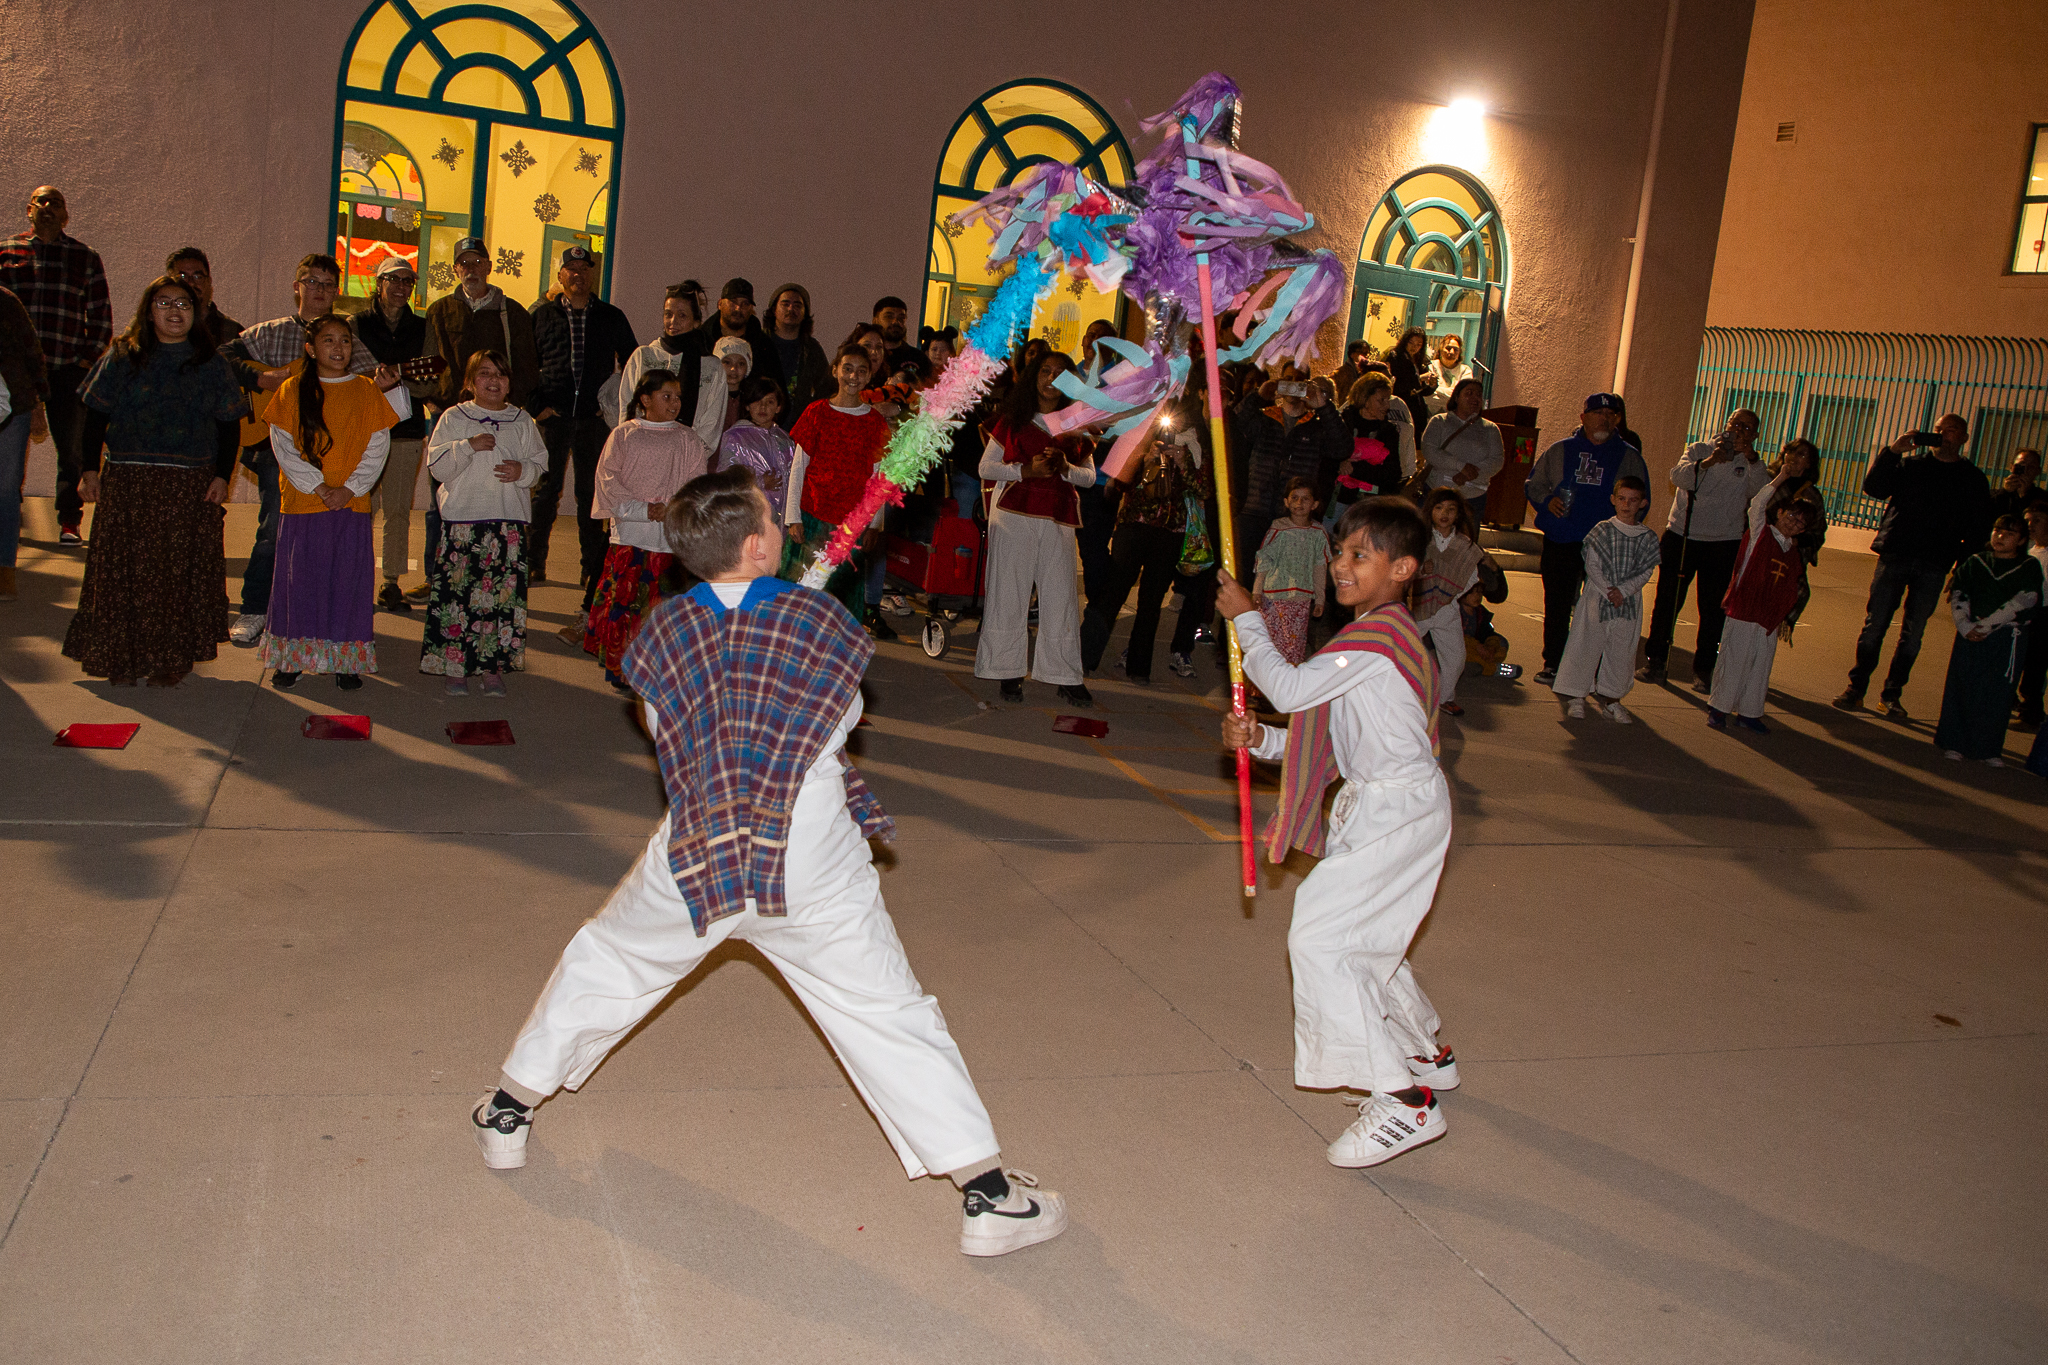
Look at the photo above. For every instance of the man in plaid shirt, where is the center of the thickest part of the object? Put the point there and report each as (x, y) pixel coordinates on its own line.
(752, 686)
(61, 282)
(264, 356)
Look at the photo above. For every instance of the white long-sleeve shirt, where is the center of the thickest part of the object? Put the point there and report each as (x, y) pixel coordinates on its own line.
(1378, 728)
(709, 419)
(995, 469)
(1710, 500)
(470, 488)
(307, 479)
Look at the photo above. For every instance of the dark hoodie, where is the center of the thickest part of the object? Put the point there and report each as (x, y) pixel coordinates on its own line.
(812, 379)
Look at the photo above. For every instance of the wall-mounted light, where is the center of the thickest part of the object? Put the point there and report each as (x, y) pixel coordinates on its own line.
(1456, 134)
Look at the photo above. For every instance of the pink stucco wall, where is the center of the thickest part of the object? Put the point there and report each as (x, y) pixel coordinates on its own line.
(785, 142)
(1893, 210)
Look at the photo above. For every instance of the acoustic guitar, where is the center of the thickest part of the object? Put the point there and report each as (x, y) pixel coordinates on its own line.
(418, 370)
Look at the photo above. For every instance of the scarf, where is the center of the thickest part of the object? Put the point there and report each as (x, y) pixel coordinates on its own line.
(1311, 762)
(1986, 583)
(646, 462)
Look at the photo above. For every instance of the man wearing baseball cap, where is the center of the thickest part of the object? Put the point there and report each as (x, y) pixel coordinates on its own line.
(734, 317)
(1572, 488)
(582, 340)
(396, 334)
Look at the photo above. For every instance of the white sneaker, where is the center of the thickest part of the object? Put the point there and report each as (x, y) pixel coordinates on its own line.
(500, 1133)
(1952, 755)
(1180, 665)
(1438, 1073)
(1030, 1215)
(1994, 762)
(247, 629)
(1618, 713)
(1577, 708)
(1385, 1128)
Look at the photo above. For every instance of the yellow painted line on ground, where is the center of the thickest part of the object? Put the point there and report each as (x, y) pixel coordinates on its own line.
(1165, 797)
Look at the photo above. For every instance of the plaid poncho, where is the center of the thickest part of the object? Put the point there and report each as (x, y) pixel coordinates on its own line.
(746, 699)
(1310, 765)
(1625, 557)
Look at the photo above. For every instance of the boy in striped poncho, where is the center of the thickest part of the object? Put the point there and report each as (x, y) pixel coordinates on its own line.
(752, 686)
(1364, 709)
(1622, 554)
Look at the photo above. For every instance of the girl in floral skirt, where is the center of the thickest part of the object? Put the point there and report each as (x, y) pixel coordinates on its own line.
(485, 454)
(645, 463)
(1291, 570)
(331, 431)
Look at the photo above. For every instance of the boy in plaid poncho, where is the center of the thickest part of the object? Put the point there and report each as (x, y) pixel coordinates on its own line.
(752, 686)
(1364, 709)
(1622, 554)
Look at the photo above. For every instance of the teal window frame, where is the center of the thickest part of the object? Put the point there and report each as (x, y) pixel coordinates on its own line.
(1383, 267)
(421, 29)
(993, 142)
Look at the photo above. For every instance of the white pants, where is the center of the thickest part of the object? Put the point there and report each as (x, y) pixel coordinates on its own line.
(1024, 552)
(1446, 631)
(1743, 674)
(394, 497)
(1358, 1012)
(1600, 656)
(837, 949)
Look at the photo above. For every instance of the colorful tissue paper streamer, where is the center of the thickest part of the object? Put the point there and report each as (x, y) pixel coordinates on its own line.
(922, 441)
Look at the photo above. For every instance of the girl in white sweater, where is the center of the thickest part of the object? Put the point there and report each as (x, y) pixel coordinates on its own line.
(485, 454)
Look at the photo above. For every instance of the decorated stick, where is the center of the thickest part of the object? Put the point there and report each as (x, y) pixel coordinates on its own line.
(1226, 526)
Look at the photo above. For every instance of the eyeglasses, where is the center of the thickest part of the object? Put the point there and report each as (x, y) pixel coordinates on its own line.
(190, 275)
(317, 281)
(170, 305)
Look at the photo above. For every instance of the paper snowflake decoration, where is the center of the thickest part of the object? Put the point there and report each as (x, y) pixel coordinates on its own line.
(518, 158)
(449, 153)
(547, 208)
(355, 159)
(586, 161)
(510, 262)
(441, 275)
(405, 220)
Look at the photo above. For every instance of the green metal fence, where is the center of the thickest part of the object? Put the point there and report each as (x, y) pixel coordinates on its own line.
(1851, 392)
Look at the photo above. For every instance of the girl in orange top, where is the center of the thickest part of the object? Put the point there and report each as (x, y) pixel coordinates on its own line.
(331, 431)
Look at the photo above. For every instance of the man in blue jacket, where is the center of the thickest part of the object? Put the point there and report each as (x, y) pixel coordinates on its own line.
(1571, 487)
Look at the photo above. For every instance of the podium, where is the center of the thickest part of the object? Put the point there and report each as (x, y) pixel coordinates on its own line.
(1506, 500)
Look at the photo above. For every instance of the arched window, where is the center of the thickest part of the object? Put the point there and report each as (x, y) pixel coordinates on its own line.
(1008, 130)
(1434, 256)
(474, 119)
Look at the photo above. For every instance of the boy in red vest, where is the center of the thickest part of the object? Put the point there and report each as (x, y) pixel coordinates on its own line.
(752, 685)
(1769, 570)
(838, 441)
(1364, 709)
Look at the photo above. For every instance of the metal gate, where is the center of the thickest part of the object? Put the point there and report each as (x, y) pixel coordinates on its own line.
(1852, 392)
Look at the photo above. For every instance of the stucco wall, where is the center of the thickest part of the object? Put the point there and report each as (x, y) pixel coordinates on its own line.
(778, 143)
(1893, 211)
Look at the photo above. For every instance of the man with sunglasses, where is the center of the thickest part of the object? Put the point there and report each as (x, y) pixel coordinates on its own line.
(1715, 481)
(266, 354)
(61, 282)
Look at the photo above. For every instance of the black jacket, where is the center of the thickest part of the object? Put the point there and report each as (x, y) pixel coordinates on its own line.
(392, 345)
(1936, 511)
(608, 343)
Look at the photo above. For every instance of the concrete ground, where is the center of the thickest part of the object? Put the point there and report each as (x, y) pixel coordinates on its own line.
(1752, 1033)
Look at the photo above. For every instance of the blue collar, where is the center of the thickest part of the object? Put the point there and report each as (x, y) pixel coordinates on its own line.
(758, 591)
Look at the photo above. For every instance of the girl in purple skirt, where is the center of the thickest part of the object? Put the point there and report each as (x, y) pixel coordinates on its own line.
(331, 431)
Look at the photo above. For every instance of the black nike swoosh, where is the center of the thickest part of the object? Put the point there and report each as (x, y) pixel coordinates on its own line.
(1032, 1214)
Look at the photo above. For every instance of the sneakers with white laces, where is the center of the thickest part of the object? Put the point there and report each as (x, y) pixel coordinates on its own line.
(1029, 1216)
(1385, 1128)
(247, 629)
(1438, 1073)
(1619, 714)
(500, 1133)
